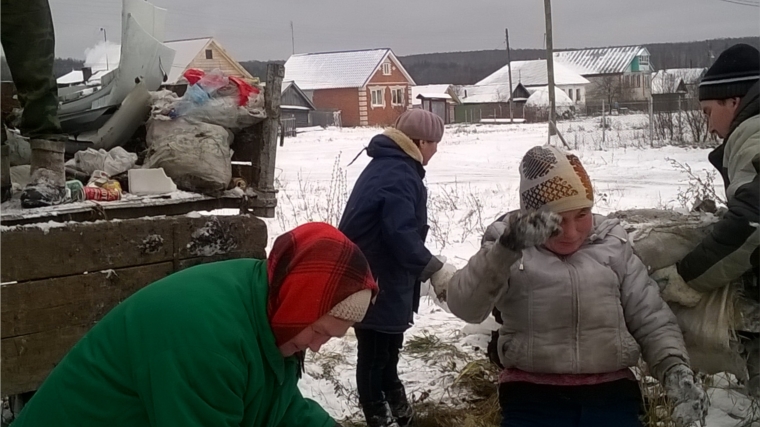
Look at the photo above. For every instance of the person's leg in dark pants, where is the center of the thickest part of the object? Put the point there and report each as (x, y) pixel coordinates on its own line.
(394, 390)
(29, 44)
(26, 31)
(536, 405)
(372, 360)
(618, 403)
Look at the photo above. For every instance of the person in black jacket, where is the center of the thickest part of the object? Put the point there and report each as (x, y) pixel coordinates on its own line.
(386, 216)
(729, 95)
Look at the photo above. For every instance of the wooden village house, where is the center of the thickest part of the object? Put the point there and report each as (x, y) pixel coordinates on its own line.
(619, 75)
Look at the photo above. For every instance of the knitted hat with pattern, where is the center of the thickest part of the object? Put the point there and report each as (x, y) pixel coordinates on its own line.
(553, 180)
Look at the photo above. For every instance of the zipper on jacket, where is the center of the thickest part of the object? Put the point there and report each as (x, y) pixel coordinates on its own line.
(576, 313)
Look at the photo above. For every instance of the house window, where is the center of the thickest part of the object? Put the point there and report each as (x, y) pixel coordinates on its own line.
(397, 96)
(570, 94)
(644, 60)
(577, 95)
(209, 54)
(378, 100)
(386, 68)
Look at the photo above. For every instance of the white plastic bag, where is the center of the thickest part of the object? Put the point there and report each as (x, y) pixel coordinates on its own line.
(195, 155)
(113, 162)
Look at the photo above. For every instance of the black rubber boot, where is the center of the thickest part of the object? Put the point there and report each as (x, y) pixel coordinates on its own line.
(400, 407)
(378, 414)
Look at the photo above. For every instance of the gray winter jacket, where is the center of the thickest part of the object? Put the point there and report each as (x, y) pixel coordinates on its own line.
(590, 312)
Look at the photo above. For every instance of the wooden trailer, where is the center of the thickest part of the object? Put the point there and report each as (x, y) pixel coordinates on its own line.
(62, 269)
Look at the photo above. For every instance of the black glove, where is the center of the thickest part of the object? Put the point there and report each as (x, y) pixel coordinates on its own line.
(524, 230)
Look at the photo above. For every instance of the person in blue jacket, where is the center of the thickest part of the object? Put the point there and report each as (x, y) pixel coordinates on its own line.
(386, 217)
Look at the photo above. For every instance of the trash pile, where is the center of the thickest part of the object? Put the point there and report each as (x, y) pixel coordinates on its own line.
(187, 146)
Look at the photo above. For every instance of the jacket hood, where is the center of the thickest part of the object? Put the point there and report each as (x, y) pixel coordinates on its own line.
(749, 106)
(393, 143)
(604, 226)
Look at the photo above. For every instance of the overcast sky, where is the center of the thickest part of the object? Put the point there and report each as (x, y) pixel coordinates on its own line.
(261, 29)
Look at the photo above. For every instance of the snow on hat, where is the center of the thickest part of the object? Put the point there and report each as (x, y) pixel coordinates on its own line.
(554, 180)
(420, 124)
(732, 74)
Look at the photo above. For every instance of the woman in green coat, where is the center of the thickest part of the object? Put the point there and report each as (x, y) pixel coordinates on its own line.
(219, 344)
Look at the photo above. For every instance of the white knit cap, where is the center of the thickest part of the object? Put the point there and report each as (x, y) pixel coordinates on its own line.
(354, 307)
(554, 180)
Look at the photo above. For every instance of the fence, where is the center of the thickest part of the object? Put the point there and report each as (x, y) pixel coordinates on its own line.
(326, 118)
(288, 126)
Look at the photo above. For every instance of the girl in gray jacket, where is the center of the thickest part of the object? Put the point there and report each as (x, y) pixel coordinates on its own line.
(578, 308)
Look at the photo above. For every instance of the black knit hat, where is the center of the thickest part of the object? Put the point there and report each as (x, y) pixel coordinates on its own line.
(732, 74)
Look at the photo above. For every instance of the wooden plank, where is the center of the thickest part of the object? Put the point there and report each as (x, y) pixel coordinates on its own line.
(41, 305)
(93, 211)
(30, 253)
(220, 235)
(43, 319)
(27, 360)
(182, 264)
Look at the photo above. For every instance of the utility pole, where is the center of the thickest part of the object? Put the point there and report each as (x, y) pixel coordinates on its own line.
(550, 67)
(509, 64)
(105, 41)
(292, 38)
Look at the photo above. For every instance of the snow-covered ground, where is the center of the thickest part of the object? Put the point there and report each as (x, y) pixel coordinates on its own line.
(472, 179)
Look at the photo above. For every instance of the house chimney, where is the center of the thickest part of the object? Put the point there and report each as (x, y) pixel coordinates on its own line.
(86, 73)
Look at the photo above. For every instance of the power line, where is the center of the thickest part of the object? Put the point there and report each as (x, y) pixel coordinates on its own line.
(749, 3)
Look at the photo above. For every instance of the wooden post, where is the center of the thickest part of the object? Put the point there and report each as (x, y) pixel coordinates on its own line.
(604, 123)
(651, 122)
(509, 64)
(550, 65)
(270, 127)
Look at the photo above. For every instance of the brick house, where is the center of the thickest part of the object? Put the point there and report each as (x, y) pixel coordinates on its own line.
(368, 87)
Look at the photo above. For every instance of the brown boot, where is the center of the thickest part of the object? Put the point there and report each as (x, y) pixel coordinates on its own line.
(47, 186)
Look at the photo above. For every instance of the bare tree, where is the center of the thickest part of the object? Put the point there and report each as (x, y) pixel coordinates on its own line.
(608, 88)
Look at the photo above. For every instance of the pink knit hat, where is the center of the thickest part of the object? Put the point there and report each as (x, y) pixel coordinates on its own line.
(420, 124)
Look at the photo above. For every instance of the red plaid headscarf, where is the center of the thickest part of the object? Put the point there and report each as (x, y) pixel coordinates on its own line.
(311, 269)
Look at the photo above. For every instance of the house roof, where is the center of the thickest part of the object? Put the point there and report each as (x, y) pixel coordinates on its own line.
(429, 91)
(485, 94)
(668, 81)
(76, 77)
(334, 70)
(186, 50)
(540, 98)
(534, 73)
(445, 96)
(288, 84)
(607, 60)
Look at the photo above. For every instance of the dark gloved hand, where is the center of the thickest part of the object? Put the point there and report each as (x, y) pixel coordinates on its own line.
(524, 230)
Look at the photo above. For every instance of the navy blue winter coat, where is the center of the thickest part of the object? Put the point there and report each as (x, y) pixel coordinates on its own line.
(386, 216)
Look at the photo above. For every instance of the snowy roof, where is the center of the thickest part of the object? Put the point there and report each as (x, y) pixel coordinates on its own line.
(540, 98)
(289, 83)
(533, 73)
(429, 91)
(186, 50)
(667, 81)
(607, 60)
(76, 77)
(485, 94)
(433, 96)
(333, 70)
